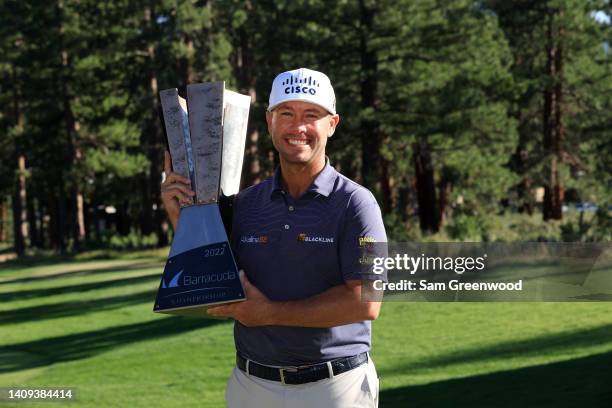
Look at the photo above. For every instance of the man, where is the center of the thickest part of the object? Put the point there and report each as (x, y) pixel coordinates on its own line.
(304, 332)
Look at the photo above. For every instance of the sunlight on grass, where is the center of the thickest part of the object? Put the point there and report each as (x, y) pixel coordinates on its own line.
(89, 324)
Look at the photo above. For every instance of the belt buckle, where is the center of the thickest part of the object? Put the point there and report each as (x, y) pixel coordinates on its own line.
(282, 373)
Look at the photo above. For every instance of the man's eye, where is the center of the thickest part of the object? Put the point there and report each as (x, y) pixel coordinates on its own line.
(286, 114)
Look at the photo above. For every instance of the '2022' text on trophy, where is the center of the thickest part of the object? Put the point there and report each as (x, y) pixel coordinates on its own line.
(206, 135)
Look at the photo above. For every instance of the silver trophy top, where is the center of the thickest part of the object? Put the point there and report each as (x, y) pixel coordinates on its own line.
(206, 136)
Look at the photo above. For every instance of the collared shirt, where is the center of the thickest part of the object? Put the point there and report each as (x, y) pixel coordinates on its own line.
(294, 248)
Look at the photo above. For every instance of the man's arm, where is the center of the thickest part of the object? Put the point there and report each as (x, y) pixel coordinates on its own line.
(337, 306)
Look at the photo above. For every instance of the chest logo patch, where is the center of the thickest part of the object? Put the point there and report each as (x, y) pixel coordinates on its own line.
(303, 237)
(366, 241)
(254, 239)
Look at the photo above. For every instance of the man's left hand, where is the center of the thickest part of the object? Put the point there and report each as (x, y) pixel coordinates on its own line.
(256, 310)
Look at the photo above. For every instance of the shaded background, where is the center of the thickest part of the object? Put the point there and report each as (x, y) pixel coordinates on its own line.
(469, 120)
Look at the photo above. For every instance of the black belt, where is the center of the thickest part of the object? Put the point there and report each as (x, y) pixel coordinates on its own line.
(300, 375)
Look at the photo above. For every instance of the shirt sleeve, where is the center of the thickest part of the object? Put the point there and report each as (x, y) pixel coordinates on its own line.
(363, 238)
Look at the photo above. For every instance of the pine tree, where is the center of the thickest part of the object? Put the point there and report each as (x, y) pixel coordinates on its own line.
(562, 71)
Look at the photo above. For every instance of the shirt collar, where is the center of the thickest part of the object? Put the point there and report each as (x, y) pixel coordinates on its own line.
(323, 184)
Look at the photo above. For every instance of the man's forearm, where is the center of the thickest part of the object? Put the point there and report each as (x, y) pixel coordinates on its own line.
(336, 306)
(173, 218)
(174, 222)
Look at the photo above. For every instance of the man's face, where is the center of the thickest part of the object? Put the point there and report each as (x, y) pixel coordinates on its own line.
(300, 130)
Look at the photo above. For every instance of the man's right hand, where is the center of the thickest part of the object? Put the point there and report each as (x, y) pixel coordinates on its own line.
(175, 190)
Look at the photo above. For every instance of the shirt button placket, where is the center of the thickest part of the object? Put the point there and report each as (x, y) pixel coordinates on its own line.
(290, 208)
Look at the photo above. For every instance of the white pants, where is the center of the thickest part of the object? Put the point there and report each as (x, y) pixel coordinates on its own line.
(357, 388)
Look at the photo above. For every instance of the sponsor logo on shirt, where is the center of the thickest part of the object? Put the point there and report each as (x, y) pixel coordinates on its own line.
(254, 239)
(302, 237)
(366, 241)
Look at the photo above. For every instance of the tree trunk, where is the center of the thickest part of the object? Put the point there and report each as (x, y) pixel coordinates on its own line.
(244, 72)
(558, 147)
(72, 127)
(375, 168)
(95, 221)
(405, 198)
(80, 205)
(520, 165)
(525, 196)
(42, 222)
(371, 172)
(152, 217)
(19, 202)
(387, 184)
(52, 227)
(3, 220)
(189, 74)
(34, 227)
(57, 220)
(61, 220)
(77, 220)
(553, 119)
(425, 186)
(20, 214)
(122, 218)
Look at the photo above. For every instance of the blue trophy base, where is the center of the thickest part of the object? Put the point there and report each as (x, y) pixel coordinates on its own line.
(200, 271)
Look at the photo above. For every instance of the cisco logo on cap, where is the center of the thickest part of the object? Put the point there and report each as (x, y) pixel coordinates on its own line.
(305, 85)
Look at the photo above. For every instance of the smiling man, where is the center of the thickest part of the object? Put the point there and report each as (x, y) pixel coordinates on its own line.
(303, 335)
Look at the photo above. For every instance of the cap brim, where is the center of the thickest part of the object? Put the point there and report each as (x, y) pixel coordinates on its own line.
(271, 108)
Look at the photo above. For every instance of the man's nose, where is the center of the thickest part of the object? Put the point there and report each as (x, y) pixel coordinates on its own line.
(299, 125)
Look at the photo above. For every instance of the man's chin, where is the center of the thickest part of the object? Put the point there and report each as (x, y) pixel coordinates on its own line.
(297, 159)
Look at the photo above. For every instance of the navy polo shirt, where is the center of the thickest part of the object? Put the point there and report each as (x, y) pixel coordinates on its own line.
(293, 249)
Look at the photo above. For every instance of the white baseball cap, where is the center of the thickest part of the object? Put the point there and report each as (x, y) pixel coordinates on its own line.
(305, 85)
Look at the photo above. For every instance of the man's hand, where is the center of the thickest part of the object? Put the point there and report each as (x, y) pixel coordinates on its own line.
(175, 190)
(256, 310)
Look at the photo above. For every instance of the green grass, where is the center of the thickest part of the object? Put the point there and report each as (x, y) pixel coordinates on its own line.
(87, 323)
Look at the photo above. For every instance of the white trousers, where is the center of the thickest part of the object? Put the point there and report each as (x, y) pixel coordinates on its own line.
(357, 388)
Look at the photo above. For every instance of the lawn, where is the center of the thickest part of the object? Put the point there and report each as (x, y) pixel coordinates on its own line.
(87, 323)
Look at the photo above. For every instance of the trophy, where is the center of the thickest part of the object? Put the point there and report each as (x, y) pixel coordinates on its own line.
(206, 136)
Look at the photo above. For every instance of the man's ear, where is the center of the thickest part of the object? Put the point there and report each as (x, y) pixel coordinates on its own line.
(335, 119)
